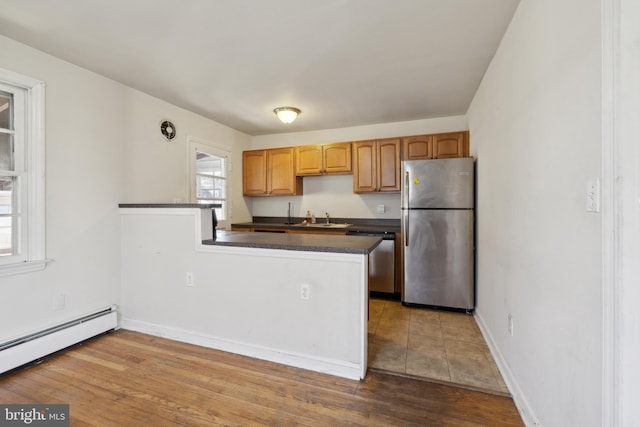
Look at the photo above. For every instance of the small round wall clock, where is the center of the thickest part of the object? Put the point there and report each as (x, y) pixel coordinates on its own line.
(168, 130)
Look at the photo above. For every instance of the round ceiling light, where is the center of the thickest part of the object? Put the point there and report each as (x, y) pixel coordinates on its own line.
(287, 114)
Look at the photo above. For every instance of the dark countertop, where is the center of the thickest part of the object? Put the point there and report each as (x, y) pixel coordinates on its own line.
(170, 205)
(356, 224)
(296, 242)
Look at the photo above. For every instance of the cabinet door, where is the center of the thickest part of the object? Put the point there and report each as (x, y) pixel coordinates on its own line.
(337, 158)
(447, 145)
(365, 164)
(389, 164)
(254, 173)
(417, 147)
(281, 177)
(309, 160)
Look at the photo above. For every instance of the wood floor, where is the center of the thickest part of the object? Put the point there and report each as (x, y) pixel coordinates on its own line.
(130, 379)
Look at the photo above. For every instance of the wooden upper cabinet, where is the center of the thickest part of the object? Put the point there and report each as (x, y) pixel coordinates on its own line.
(437, 146)
(323, 159)
(365, 168)
(389, 164)
(376, 166)
(270, 173)
(254, 173)
(417, 147)
(453, 144)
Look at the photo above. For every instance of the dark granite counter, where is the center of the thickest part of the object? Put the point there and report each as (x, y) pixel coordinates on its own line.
(296, 242)
(170, 205)
(355, 224)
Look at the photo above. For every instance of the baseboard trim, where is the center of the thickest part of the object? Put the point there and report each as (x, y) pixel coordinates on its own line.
(519, 399)
(317, 364)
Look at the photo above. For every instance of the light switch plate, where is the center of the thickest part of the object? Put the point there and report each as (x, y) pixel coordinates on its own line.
(381, 208)
(593, 195)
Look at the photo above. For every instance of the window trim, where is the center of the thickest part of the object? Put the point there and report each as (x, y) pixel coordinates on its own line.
(218, 150)
(33, 258)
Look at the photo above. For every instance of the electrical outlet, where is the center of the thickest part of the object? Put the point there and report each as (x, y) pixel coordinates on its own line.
(305, 291)
(510, 324)
(190, 280)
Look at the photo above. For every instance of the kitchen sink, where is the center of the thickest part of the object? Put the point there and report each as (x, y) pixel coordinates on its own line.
(322, 225)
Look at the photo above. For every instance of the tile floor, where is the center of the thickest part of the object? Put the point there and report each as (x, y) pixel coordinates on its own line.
(433, 344)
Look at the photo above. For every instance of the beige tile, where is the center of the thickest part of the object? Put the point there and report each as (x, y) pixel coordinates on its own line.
(473, 372)
(434, 344)
(466, 334)
(396, 331)
(469, 364)
(457, 320)
(502, 386)
(387, 354)
(426, 357)
(375, 308)
(465, 349)
(393, 310)
(424, 325)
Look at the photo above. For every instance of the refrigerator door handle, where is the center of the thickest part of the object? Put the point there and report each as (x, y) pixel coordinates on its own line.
(405, 203)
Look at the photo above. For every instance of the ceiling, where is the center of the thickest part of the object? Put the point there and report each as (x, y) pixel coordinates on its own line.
(342, 62)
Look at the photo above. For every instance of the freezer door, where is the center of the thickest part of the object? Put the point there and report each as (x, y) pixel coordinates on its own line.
(438, 183)
(438, 258)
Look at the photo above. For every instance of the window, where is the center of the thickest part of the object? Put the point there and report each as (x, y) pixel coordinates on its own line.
(210, 178)
(21, 174)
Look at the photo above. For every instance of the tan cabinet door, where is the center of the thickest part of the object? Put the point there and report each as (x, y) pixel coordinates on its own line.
(323, 159)
(389, 165)
(309, 160)
(437, 146)
(270, 173)
(254, 173)
(365, 175)
(376, 166)
(337, 158)
(417, 147)
(447, 145)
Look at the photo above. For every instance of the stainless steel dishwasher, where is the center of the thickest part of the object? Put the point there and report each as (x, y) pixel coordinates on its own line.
(381, 261)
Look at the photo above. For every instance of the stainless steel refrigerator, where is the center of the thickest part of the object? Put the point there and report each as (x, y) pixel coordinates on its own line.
(437, 232)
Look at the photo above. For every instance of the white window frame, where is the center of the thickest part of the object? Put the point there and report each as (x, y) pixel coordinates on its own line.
(31, 175)
(199, 145)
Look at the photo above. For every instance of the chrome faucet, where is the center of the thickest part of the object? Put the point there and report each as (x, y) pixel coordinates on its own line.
(328, 219)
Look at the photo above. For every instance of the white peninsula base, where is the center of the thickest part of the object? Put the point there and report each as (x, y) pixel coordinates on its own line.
(239, 299)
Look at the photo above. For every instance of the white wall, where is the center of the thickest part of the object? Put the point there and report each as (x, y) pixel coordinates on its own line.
(536, 126)
(94, 126)
(157, 170)
(334, 194)
(244, 300)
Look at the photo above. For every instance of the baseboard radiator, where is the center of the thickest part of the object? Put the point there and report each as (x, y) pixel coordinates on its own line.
(31, 347)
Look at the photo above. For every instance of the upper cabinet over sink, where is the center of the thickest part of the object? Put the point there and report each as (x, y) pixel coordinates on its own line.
(270, 173)
(323, 159)
(437, 146)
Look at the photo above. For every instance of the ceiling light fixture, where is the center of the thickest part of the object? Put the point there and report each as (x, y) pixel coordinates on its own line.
(287, 114)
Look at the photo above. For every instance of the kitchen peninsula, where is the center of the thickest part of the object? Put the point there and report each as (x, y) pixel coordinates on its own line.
(299, 300)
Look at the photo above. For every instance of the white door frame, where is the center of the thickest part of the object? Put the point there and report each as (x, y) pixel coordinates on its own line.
(621, 211)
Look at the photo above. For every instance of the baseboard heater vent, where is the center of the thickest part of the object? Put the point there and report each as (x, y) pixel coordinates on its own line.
(28, 348)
